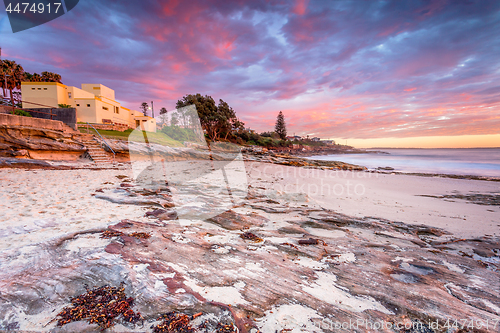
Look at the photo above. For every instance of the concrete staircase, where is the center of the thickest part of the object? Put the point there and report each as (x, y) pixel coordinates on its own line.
(95, 151)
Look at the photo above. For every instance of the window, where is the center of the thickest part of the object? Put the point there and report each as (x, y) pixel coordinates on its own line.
(39, 88)
(88, 105)
(78, 105)
(69, 95)
(117, 109)
(32, 88)
(44, 88)
(105, 108)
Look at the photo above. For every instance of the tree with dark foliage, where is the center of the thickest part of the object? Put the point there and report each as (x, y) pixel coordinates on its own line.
(216, 120)
(144, 108)
(280, 127)
(50, 77)
(12, 74)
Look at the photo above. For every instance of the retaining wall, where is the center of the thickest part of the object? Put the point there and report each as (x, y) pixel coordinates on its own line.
(66, 115)
(13, 120)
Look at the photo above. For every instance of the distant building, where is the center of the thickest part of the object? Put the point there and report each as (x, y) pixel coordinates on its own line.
(294, 138)
(315, 139)
(328, 142)
(94, 103)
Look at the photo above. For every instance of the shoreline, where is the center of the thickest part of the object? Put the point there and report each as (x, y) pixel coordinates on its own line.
(299, 161)
(268, 157)
(432, 201)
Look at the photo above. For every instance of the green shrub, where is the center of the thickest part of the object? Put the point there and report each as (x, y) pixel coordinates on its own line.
(19, 112)
(265, 142)
(179, 134)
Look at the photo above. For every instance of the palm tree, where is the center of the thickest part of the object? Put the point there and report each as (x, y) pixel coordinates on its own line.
(4, 73)
(35, 77)
(2, 78)
(15, 75)
(51, 77)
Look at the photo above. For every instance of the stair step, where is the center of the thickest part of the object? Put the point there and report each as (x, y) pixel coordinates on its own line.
(96, 152)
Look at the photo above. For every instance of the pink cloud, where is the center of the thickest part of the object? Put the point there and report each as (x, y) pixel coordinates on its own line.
(411, 69)
(300, 7)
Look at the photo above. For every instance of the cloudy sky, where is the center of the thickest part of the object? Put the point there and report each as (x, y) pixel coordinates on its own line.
(348, 70)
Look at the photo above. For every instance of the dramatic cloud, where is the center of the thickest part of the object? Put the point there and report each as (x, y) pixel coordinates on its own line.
(359, 69)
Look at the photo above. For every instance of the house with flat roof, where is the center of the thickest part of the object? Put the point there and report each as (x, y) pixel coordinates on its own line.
(94, 103)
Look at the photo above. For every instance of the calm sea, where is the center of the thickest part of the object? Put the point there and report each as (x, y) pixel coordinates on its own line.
(472, 161)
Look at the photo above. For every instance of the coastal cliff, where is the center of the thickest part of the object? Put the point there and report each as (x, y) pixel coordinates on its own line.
(25, 137)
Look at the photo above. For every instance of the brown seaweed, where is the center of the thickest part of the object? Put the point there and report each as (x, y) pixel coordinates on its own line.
(251, 236)
(100, 306)
(174, 322)
(113, 233)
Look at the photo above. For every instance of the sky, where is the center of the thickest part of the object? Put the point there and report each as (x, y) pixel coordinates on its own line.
(384, 74)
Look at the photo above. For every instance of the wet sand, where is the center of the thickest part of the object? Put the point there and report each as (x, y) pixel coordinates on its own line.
(406, 198)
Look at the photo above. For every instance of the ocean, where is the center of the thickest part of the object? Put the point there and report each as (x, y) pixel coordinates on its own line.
(460, 161)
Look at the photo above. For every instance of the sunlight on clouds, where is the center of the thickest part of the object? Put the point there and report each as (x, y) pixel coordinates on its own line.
(462, 141)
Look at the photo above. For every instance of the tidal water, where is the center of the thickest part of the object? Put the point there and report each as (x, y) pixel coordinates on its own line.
(461, 161)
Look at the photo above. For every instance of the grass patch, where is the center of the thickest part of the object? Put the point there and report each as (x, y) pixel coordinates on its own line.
(137, 136)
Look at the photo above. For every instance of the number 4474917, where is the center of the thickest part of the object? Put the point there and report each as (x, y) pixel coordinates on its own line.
(35, 8)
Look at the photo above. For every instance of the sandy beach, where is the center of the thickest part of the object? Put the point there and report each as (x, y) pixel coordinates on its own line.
(405, 198)
(331, 247)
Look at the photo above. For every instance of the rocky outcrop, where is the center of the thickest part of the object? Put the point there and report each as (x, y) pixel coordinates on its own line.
(286, 159)
(24, 163)
(307, 269)
(139, 150)
(40, 143)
